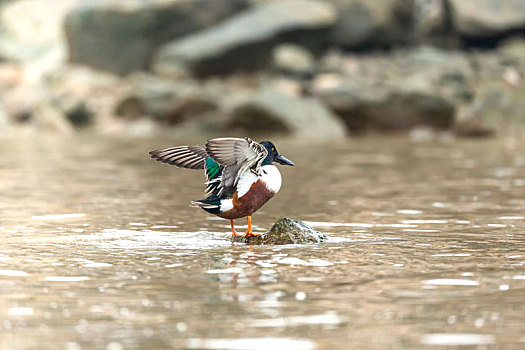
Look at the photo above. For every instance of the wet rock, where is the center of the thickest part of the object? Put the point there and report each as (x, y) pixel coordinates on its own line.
(246, 40)
(121, 36)
(269, 111)
(487, 18)
(293, 59)
(372, 23)
(286, 231)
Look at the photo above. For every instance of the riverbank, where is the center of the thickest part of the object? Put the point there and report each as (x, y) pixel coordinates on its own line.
(309, 69)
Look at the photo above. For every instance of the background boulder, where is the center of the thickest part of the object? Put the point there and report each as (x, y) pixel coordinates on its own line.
(487, 18)
(246, 40)
(121, 36)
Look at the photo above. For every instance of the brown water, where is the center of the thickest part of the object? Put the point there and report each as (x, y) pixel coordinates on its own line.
(426, 250)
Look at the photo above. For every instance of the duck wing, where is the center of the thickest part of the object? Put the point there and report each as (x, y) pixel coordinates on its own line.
(237, 155)
(190, 157)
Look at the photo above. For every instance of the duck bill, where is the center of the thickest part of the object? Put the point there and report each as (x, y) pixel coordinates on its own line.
(282, 160)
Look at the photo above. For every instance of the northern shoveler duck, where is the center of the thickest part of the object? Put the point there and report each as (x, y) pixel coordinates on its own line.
(240, 175)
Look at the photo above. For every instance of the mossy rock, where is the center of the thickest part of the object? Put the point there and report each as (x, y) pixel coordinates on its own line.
(286, 231)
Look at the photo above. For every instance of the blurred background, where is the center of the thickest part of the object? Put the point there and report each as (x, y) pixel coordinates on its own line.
(405, 119)
(318, 69)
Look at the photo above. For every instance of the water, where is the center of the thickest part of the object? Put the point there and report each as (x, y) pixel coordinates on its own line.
(101, 251)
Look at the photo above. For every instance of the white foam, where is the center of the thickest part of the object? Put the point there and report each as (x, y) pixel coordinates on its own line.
(424, 221)
(326, 319)
(297, 261)
(338, 224)
(250, 343)
(227, 270)
(97, 264)
(66, 278)
(20, 311)
(450, 282)
(58, 216)
(457, 339)
(13, 273)
(409, 211)
(452, 254)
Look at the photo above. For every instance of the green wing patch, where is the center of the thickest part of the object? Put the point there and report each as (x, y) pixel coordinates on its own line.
(213, 170)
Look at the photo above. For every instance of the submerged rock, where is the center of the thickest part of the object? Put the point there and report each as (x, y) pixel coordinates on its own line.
(286, 231)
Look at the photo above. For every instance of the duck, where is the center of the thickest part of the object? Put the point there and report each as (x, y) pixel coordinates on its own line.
(240, 175)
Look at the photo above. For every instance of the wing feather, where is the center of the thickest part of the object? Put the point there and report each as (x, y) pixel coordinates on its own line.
(237, 155)
(191, 157)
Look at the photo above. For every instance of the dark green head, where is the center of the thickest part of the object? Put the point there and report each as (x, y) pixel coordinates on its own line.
(274, 155)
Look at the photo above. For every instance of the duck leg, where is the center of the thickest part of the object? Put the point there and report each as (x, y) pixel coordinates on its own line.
(233, 228)
(249, 232)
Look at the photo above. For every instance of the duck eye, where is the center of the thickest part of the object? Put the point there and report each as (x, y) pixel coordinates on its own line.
(273, 149)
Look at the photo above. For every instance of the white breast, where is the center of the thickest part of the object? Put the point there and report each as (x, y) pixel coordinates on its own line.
(270, 176)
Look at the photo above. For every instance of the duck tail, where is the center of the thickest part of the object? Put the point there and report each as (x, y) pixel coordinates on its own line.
(204, 205)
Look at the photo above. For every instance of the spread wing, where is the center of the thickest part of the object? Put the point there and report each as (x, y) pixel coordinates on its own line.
(237, 156)
(191, 157)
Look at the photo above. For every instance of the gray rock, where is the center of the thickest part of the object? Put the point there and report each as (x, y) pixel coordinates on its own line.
(75, 110)
(286, 231)
(269, 111)
(398, 91)
(246, 40)
(164, 100)
(388, 109)
(487, 18)
(372, 23)
(121, 36)
(433, 23)
(293, 59)
(514, 49)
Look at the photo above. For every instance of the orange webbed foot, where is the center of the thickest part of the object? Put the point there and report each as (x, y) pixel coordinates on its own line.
(234, 233)
(249, 232)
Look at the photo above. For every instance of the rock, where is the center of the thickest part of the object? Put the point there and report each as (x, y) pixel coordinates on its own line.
(487, 18)
(246, 40)
(514, 49)
(269, 111)
(164, 100)
(387, 109)
(286, 231)
(75, 109)
(121, 36)
(398, 91)
(372, 23)
(433, 23)
(293, 59)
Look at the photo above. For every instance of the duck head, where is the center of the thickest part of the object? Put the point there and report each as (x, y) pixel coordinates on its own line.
(274, 155)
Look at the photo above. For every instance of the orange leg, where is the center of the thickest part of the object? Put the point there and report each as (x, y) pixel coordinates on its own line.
(233, 228)
(249, 232)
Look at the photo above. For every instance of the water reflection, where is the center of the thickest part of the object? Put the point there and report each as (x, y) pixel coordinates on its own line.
(425, 249)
